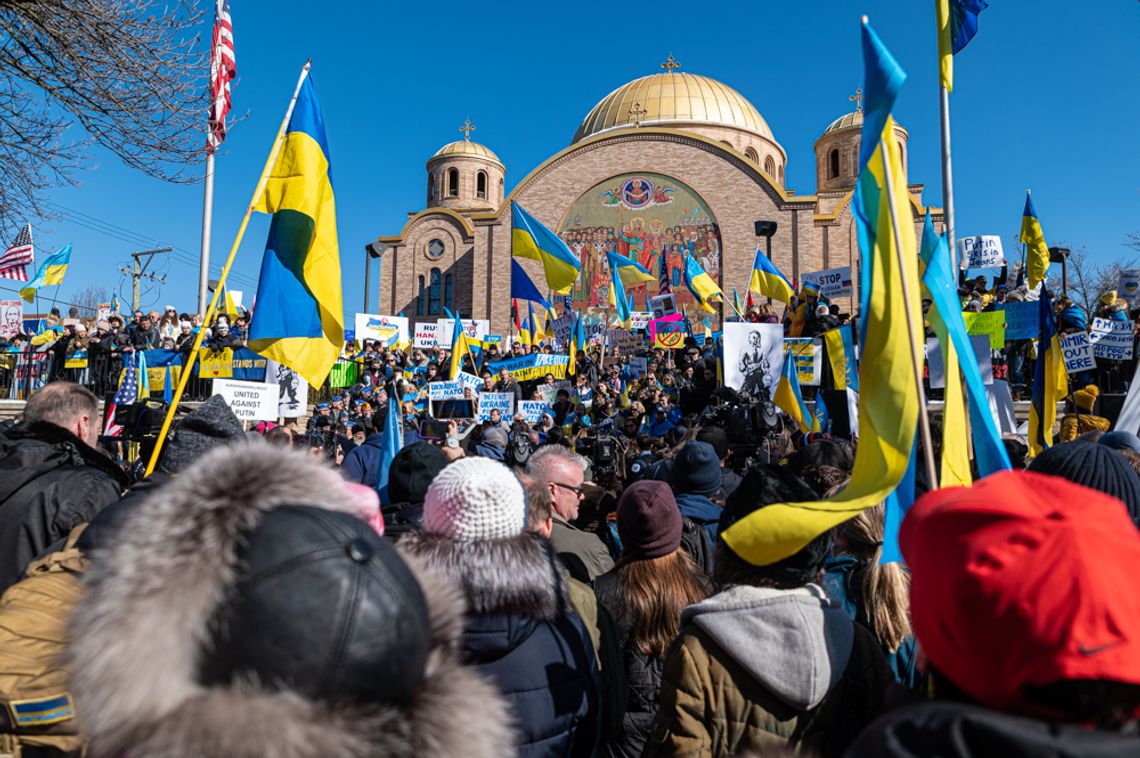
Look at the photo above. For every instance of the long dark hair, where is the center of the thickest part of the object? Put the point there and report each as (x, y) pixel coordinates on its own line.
(653, 592)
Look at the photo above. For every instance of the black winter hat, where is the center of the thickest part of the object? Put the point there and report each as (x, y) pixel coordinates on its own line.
(412, 470)
(211, 423)
(324, 607)
(696, 469)
(1095, 466)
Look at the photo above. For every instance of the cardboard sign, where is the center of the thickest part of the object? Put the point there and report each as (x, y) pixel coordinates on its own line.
(982, 251)
(11, 317)
(532, 410)
(504, 402)
(991, 324)
(1077, 352)
(663, 305)
(808, 357)
(624, 340)
(1128, 286)
(1022, 321)
(370, 326)
(833, 282)
(1111, 340)
(250, 401)
(425, 335)
(563, 325)
(445, 390)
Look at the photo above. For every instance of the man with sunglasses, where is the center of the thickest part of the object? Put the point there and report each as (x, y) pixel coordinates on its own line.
(563, 472)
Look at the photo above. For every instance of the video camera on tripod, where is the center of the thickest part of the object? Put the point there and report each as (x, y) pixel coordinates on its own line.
(752, 426)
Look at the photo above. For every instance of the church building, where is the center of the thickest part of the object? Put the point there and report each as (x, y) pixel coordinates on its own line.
(668, 164)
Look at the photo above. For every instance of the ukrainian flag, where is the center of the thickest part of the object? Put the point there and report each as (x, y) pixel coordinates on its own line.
(51, 272)
(767, 281)
(299, 320)
(632, 273)
(459, 348)
(623, 270)
(577, 344)
(537, 333)
(530, 239)
(790, 400)
(957, 25)
(1037, 252)
(704, 289)
(1050, 382)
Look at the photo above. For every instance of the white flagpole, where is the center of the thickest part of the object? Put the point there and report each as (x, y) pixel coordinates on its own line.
(207, 220)
(947, 178)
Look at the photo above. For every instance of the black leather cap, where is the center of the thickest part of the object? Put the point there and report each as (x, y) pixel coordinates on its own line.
(321, 606)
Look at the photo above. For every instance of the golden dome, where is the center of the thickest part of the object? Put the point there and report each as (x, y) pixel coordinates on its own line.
(466, 148)
(854, 118)
(666, 98)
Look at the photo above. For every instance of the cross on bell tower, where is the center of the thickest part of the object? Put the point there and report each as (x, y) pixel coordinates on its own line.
(671, 63)
(857, 98)
(467, 128)
(636, 113)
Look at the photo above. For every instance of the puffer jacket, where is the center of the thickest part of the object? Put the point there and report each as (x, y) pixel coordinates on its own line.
(767, 669)
(50, 483)
(522, 634)
(1074, 425)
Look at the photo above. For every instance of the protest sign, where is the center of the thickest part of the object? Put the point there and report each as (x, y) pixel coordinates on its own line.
(370, 326)
(563, 326)
(663, 305)
(103, 311)
(1001, 406)
(808, 357)
(472, 327)
(753, 357)
(833, 282)
(548, 393)
(639, 320)
(469, 380)
(11, 317)
(250, 401)
(1128, 286)
(937, 365)
(425, 335)
(445, 390)
(492, 339)
(292, 390)
(231, 363)
(624, 340)
(533, 366)
(532, 410)
(1021, 321)
(991, 323)
(655, 323)
(669, 335)
(1077, 352)
(1111, 340)
(503, 401)
(982, 251)
(638, 366)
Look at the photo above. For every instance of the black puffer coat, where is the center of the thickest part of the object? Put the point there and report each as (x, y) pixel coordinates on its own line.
(50, 482)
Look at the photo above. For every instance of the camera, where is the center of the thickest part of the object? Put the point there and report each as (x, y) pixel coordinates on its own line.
(753, 427)
(604, 453)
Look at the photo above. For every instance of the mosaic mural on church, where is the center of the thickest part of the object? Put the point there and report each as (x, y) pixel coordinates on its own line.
(653, 219)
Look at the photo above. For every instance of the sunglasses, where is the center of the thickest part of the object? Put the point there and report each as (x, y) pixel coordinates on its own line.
(579, 491)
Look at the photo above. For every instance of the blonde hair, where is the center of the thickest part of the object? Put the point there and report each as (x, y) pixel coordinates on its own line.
(884, 589)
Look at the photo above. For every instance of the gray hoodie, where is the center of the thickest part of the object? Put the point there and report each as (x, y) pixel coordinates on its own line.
(795, 643)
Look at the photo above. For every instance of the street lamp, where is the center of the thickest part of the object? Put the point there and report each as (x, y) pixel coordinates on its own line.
(1061, 255)
(371, 250)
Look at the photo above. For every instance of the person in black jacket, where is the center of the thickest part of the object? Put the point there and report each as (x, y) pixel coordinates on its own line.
(51, 476)
(653, 581)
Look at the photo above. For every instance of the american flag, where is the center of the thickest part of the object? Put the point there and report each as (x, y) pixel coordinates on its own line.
(16, 259)
(663, 285)
(128, 394)
(223, 69)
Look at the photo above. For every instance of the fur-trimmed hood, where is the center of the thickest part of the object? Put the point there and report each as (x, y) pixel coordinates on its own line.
(138, 633)
(519, 575)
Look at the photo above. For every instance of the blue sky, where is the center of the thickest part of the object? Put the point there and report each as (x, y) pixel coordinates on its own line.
(1045, 98)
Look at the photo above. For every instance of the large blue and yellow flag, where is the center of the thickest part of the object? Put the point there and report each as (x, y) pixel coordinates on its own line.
(957, 25)
(522, 288)
(790, 400)
(300, 320)
(51, 272)
(1050, 382)
(623, 271)
(704, 289)
(1036, 251)
(888, 398)
(530, 239)
(767, 281)
(459, 348)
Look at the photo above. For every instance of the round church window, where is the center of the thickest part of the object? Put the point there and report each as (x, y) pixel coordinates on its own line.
(435, 250)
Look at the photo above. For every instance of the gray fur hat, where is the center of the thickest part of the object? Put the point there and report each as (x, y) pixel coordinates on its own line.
(207, 426)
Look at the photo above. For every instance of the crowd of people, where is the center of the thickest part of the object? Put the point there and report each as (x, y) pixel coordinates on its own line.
(561, 587)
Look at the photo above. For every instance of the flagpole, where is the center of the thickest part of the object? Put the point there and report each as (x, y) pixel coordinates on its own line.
(947, 177)
(923, 416)
(187, 369)
(207, 221)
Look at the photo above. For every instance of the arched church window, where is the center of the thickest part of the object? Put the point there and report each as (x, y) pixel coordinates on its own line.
(781, 175)
(431, 187)
(750, 154)
(481, 185)
(833, 164)
(855, 159)
(448, 295)
(434, 292)
(420, 302)
(770, 166)
(453, 182)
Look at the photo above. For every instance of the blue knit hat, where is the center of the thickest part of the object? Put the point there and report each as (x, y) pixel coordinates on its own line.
(696, 470)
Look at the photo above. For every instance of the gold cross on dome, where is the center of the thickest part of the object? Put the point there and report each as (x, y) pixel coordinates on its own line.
(671, 63)
(857, 98)
(467, 128)
(636, 113)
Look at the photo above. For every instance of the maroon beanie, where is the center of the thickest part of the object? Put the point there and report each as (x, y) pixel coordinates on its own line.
(648, 520)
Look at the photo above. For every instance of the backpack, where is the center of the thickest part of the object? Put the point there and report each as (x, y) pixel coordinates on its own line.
(36, 710)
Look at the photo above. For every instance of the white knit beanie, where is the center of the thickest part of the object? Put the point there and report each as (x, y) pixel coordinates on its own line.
(475, 499)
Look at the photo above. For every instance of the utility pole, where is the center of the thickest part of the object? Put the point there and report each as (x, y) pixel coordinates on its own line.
(138, 271)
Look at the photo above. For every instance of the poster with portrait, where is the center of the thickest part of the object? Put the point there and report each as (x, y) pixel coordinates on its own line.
(292, 390)
(650, 218)
(11, 318)
(753, 358)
